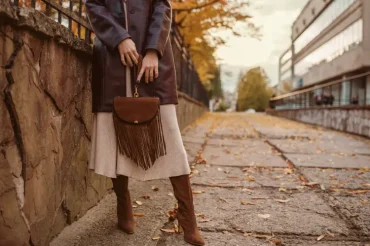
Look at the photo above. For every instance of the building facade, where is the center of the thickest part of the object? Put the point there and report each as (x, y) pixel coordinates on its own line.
(330, 46)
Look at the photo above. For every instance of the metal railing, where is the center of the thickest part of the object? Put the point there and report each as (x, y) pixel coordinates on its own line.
(72, 14)
(354, 90)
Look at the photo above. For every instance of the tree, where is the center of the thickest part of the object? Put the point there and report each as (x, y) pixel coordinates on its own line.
(253, 90)
(198, 20)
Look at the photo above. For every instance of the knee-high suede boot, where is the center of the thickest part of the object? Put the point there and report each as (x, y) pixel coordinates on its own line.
(185, 215)
(126, 221)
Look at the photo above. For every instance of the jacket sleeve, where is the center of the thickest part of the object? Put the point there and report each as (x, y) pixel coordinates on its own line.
(159, 26)
(105, 26)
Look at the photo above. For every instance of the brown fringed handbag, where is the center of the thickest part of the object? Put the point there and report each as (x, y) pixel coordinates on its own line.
(138, 126)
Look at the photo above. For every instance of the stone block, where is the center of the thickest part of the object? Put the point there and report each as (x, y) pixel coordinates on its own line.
(329, 160)
(236, 156)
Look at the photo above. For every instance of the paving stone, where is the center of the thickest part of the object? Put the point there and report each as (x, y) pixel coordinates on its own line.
(192, 150)
(329, 160)
(338, 178)
(233, 133)
(282, 133)
(249, 145)
(297, 214)
(190, 139)
(321, 243)
(356, 208)
(244, 177)
(218, 239)
(99, 226)
(236, 156)
(321, 146)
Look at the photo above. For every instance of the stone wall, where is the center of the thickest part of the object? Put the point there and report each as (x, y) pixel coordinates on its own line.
(45, 111)
(351, 119)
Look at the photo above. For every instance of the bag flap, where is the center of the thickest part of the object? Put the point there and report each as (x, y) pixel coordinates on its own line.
(136, 109)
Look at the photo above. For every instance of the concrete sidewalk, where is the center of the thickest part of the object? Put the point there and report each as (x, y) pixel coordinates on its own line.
(257, 180)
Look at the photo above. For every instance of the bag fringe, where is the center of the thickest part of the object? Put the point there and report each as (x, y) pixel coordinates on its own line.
(143, 143)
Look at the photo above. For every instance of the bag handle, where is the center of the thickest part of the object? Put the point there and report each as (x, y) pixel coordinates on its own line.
(136, 73)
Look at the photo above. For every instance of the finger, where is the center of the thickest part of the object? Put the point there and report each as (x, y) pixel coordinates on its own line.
(140, 74)
(156, 72)
(133, 57)
(123, 60)
(137, 55)
(151, 74)
(128, 59)
(147, 75)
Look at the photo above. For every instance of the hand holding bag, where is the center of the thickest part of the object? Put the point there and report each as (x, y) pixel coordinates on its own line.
(138, 126)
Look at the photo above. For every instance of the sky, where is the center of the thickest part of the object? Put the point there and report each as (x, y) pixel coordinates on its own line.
(275, 18)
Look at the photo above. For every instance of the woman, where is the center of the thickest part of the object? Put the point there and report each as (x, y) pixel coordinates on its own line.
(126, 29)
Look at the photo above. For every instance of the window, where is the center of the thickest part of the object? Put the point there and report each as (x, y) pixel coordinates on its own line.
(335, 9)
(348, 39)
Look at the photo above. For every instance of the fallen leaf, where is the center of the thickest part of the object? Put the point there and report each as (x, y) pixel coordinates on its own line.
(138, 215)
(282, 201)
(172, 230)
(276, 241)
(249, 190)
(233, 177)
(170, 194)
(134, 206)
(288, 171)
(264, 216)
(156, 238)
(311, 184)
(198, 191)
(283, 189)
(139, 203)
(222, 199)
(321, 237)
(219, 169)
(155, 188)
(145, 197)
(247, 203)
(259, 198)
(195, 171)
(251, 178)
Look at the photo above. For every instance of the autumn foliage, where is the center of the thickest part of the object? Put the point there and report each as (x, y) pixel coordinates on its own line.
(200, 20)
(253, 91)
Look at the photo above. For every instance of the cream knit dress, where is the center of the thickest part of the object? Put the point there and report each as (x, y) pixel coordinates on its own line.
(106, 160)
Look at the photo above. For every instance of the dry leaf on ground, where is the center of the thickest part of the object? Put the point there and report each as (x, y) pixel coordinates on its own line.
(138, 214)
(170, 194)
(247, 203)
(282, 201)
(146, 197)
(321, 237)
(198, 191)
(172, 230)
(156, 238)
(155, 188)
(264, 216)
(139, 203)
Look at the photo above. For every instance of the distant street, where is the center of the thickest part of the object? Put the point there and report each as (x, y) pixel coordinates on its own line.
(257, 180)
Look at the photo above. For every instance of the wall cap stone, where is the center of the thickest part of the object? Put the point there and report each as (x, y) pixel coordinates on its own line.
(31, 19)
(348, 107)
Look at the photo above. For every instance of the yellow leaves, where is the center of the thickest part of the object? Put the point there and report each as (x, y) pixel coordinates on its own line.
(139, 203)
